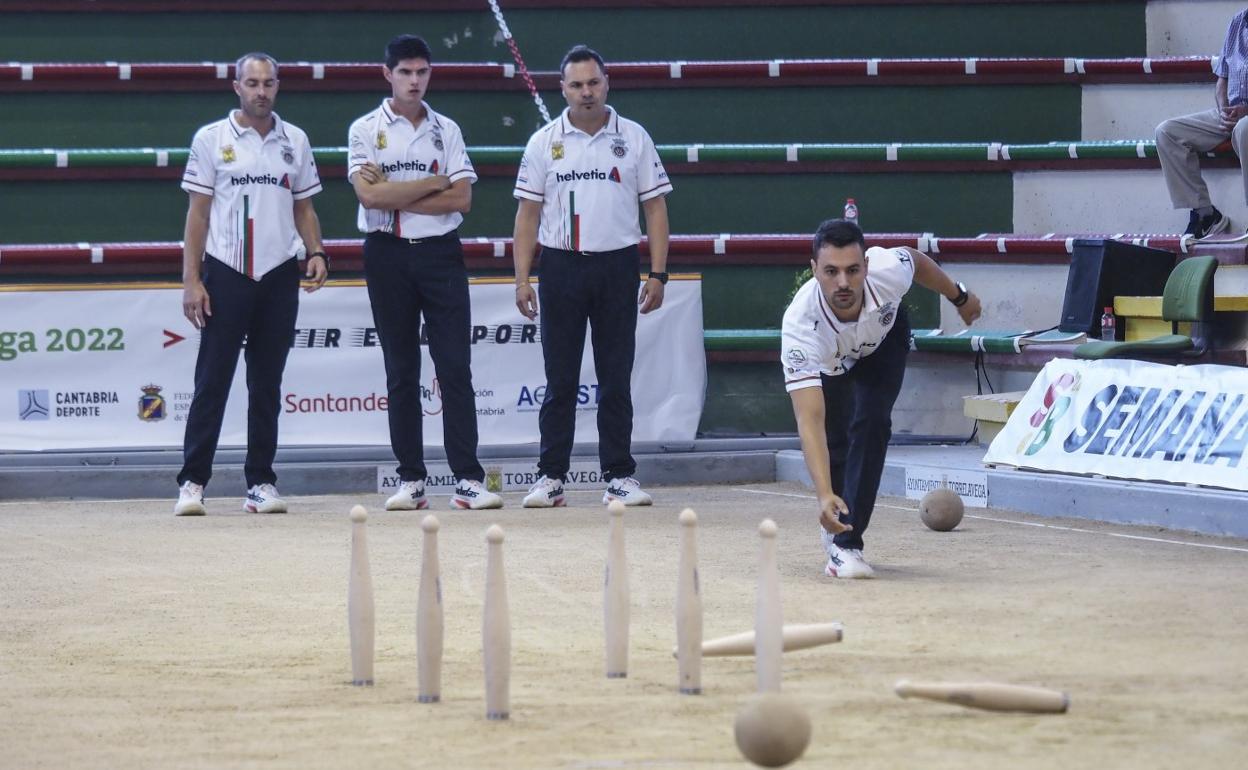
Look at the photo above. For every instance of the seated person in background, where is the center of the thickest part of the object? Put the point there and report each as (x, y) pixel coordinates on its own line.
(1180, 139)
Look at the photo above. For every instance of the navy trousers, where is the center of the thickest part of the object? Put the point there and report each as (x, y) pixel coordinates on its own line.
(599, 290)
(406, 280)
(262, 315)
(859, 419)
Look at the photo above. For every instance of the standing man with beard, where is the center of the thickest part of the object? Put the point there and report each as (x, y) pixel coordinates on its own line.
(414, 180)
(580, 183)
(844, 342)
(251, 178)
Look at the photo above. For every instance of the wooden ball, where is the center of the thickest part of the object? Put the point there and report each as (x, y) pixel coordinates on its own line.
(941, 509)
(772, 730)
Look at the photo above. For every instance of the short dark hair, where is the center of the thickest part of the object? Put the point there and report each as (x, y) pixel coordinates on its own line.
(580, 53)
(407, 47)
(253, 56)
(839, 233)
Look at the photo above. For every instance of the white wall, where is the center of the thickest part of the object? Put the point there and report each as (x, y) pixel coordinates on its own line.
(1133, 111)
(1013, 296)
(1114, 201)
(1188, 27)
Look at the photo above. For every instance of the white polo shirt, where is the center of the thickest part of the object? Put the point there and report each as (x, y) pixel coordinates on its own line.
(589, 186)
(814, 341)
(254, 183)
(408, 153)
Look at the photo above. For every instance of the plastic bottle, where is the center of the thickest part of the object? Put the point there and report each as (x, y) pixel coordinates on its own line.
(851, 211)
(1109, 325)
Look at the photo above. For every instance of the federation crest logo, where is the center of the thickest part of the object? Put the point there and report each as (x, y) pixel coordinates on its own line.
(796, 357)
(288, 155)
(494, 479)
(227, 154)
(556, 151)
(381, 140)
(151, 404)
(619, 147)
(887, 313)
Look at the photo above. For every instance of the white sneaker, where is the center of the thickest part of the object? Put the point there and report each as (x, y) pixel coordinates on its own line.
(627, 490)
(263, 498)
(409, 497)
(470, 493)
(845, 562)
(546, 493)
(190, 500)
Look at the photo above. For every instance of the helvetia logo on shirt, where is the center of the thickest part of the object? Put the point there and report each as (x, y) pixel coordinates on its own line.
(592, 174)
(408, 165)
(246, 179)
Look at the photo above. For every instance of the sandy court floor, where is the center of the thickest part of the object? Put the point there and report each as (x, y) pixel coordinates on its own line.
(131, 638)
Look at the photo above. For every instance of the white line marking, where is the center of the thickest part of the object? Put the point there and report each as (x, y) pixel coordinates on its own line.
(765, 492)
(1025, 523)
(46, 501)
(1113, 534)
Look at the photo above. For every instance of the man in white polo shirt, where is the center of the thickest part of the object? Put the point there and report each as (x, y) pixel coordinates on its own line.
(413, 179)
(251, 178)
(579, 185)
(843, 348)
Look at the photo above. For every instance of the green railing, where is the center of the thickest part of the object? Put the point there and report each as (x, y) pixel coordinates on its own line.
(987, 153)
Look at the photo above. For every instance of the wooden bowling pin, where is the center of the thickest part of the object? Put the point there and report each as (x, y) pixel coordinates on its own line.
(768, 631)
(990, 696)
(615, 600)
(689, 608)
(496, 630)
(797, 636)
(361, 615)
(429, 622)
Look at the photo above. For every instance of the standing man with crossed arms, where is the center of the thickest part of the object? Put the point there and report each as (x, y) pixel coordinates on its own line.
(251, 178)
(844, 342)
(413, 179)
(579, 185)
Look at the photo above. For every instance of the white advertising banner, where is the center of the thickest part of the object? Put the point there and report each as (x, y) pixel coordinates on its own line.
(98, 367)
(1132, 420)
(971, 486)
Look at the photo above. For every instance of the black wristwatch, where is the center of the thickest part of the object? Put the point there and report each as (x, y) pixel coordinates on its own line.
(660, 277)
(322, 255)
(963, 295)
